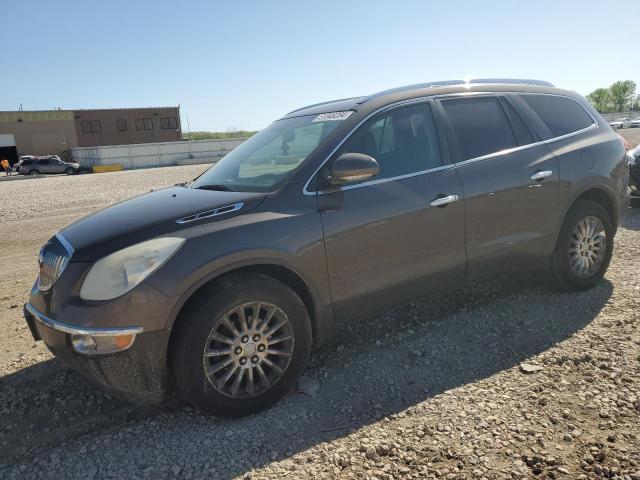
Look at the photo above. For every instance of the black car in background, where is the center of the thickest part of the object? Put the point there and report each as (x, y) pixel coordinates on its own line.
(335, 212)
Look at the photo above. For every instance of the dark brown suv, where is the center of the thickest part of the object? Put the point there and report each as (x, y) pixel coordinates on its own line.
(334, 212)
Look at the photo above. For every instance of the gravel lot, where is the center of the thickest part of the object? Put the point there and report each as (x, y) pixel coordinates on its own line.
(507, 379)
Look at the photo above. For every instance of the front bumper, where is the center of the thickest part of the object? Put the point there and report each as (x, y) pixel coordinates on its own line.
(136, 374)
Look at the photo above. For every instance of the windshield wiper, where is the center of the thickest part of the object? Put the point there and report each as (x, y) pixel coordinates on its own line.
(219, 188)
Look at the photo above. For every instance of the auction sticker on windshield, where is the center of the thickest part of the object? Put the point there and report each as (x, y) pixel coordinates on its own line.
(324, 117)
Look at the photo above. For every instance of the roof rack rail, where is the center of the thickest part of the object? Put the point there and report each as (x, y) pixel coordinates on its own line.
(451, 83)
(515, 81)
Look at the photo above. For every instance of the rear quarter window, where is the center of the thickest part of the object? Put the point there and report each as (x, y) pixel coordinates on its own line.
(562, 115)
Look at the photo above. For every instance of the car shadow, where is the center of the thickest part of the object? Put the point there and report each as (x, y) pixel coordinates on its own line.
(374, 369)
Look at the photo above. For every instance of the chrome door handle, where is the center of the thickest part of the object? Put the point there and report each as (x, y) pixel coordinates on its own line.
(442, 201)
(538, 176)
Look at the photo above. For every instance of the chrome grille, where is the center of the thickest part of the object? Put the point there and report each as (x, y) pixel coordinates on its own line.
(53, 259)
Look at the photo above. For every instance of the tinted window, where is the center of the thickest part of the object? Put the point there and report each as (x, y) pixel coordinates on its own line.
(27, 162)
(44, 162)
(402, 141)
(561, 114)
(121, 124)
(480, 125)
(520, 129)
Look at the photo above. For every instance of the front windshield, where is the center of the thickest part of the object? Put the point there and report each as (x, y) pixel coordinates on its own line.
(261, 163)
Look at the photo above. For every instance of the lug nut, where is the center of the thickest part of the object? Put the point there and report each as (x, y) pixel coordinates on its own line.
(238, 350)
(256, 338)
(245, 338)
(243, 360)
(261, 348)
(255, 359)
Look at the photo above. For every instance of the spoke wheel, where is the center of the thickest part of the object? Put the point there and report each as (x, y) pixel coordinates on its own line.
(587, 247)
(248, 350)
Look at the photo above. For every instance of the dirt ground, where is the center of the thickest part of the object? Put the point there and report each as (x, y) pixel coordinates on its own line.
(505, 379)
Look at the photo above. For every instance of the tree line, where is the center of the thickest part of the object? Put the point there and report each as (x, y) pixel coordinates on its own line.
(619, 97)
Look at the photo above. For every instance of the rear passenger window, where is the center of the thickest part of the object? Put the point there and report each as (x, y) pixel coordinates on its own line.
(561, 114)
(402, 141)
(480, 126)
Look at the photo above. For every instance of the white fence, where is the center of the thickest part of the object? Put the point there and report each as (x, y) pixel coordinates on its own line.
(148, 155)
(609, 117)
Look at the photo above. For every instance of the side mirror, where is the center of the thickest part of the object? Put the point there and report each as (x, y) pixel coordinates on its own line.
(352, 167)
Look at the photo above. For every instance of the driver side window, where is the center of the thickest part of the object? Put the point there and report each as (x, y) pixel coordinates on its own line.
(402, 141)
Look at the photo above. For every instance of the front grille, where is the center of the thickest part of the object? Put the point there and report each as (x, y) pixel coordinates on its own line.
(53, 259)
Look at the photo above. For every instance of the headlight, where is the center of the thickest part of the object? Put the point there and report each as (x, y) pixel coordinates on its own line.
(116, 274)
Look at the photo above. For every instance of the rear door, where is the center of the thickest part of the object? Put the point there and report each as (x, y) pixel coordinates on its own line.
(510, 183)
(44, 166)
(393, 238)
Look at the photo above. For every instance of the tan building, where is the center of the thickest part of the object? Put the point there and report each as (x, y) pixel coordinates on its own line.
(54, 131)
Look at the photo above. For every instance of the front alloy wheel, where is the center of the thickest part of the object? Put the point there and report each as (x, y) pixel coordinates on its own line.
(241, 345)
(248, 350)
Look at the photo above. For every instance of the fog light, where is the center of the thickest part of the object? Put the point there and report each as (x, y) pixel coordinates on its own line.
(96, 345)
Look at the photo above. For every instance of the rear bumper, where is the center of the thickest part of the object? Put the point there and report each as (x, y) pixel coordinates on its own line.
(137, 374)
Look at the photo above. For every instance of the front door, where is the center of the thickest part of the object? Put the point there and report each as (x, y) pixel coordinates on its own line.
(511, 184)
(401, 234)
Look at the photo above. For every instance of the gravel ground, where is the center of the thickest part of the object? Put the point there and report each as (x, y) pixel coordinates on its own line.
(506, 379)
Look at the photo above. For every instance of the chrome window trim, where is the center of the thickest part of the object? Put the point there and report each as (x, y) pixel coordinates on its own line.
(385, 180)
(525, 147)
(425, 98)
(73, 330)
(210, 213)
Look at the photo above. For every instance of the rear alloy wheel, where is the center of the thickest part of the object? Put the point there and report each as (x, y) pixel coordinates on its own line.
(584, 247)
(34, 172)
(243, 348)
(588, 246)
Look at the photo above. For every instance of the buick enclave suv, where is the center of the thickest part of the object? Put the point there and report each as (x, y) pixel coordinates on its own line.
(221, 286)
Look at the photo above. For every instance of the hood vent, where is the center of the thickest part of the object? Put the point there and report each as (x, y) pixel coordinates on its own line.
(211, 213)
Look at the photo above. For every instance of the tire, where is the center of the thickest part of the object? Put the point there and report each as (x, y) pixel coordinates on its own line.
(34, 172)
(70, 171)
(205, 316)
(561, 273)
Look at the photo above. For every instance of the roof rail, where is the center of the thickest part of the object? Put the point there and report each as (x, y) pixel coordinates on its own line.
(451, 83)
(515, 81)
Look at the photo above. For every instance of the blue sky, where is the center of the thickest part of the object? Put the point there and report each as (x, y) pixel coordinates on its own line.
(244, 63)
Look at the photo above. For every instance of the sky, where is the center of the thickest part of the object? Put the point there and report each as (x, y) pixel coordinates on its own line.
(241, 64)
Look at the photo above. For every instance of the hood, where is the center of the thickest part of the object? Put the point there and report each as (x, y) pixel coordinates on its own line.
(148, 216)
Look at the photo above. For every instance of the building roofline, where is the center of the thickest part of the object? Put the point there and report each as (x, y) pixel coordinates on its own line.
(88, 109)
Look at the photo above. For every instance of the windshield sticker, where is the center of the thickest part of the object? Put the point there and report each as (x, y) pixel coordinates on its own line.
(335, 116)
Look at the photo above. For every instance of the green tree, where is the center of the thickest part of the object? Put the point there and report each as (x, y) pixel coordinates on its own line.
(622, 94)
(601, 99)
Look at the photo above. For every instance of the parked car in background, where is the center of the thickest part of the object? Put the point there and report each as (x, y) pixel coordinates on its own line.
(624, 122)
(46, 165)
(335, 212)
(635, 123)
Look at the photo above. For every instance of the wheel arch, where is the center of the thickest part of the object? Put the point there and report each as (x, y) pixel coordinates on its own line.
(600, 194)
(283, 273)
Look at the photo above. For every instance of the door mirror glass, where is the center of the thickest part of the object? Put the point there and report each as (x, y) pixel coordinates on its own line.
(352, 167)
